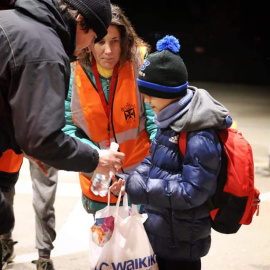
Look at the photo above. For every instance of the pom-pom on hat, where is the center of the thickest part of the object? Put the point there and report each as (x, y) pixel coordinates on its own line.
(96, 12)
(164, 73)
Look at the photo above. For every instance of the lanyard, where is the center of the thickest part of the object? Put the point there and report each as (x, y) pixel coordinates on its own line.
(106, 106)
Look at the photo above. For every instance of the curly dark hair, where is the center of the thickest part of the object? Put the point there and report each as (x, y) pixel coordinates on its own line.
(130, 41)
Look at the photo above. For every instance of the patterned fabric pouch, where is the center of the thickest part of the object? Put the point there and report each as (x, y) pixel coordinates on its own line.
(102, 230)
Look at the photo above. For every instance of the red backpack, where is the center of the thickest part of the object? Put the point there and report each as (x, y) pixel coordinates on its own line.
(236, 199)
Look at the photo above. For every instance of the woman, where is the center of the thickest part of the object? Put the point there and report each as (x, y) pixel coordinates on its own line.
(104, 104)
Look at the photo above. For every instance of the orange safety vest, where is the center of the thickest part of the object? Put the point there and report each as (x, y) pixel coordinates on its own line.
(10, 162)
(127, 121)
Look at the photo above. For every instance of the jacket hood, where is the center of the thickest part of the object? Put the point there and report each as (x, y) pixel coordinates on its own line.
(204, 112)
(47, 12)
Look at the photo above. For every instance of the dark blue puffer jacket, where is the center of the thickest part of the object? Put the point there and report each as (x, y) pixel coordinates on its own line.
(173, 191)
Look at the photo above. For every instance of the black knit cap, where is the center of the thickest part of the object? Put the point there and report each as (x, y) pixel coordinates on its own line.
(97, 13)
(164, 73)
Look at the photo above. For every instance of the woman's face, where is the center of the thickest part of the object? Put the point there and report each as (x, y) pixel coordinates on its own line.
(107, 51)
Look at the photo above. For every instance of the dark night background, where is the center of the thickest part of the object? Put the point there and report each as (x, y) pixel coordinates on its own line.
(221, 40)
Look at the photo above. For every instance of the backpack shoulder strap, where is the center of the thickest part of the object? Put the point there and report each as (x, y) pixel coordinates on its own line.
(183, 142)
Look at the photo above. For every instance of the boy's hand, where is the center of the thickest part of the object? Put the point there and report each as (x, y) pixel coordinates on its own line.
(118, 187)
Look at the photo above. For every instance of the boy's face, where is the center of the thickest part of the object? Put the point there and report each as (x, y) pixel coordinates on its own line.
(158, 104)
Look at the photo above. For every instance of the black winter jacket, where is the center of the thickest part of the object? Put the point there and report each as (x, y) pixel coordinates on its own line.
(35, 42)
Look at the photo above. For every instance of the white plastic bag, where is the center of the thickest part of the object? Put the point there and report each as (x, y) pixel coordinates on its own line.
(129, 246)
(100, 236)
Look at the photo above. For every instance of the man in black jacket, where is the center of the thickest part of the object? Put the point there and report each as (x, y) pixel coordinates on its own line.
(38, 39)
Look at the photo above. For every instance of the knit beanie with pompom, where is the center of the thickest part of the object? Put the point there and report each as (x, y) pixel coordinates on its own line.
(164, 74)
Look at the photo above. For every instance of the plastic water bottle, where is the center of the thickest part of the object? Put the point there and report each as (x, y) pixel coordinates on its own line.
(100, 185)
(97, 181)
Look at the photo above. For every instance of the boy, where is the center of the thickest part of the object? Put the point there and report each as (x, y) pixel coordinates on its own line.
(172, 189)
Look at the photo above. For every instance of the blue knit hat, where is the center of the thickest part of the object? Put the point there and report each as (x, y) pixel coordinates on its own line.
(164, 73)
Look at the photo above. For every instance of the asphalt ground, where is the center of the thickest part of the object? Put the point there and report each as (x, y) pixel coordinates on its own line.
(248, 249)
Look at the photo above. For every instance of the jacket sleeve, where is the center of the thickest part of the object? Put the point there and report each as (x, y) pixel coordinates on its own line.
(6, 215)
(189, 189)
(37, 100)
(70, 128)
(136, 182)
(151, 127)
